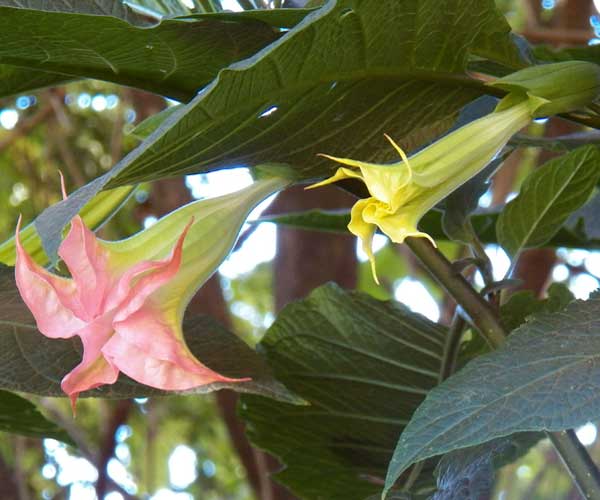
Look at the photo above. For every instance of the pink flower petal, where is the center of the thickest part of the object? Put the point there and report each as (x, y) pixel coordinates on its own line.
(51, 299)
(162, 374)
(94, 370)
(138, 283)
(87, 261)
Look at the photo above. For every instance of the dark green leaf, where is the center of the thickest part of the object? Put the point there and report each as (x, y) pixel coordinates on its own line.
(589, 53)
(174, 58)
(334, 83)
(279, 18)
(30, 362)
(151, 123)
(548, 196)
(364, 366)
(115, 8)
(459, 205)
(320, 220)
(521, 305)
(469, 474)
(14, 80)
(19, 416)
(544, 378)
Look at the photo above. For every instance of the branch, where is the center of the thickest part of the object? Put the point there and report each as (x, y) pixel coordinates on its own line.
(477, 309)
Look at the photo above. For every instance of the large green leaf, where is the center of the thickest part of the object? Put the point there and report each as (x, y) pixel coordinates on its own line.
(544, 378)
(30, 362)
(334, 83)
(115, 8)
(364, 366)
(175, 58)
(19, 416)
(14, 80)
(548, 196)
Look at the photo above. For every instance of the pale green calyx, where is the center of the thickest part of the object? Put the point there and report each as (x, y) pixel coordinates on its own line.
(215, 226)
(552, 88)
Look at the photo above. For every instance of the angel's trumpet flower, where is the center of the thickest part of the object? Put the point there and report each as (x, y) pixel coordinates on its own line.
(126, 299)
(402, 192)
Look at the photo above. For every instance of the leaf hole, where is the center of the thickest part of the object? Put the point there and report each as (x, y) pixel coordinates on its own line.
(269, 111)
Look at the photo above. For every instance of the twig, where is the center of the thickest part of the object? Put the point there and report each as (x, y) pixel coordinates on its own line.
(452, 347)
(479, 311)
(584, 472)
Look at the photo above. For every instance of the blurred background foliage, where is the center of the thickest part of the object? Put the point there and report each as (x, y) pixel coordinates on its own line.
(190, 447)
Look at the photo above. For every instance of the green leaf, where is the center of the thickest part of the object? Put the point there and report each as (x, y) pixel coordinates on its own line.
(113, 8)
(548, 196)
(14, 80)
(335, 221)
(334, 83)
(364, 366)
(175, 58)
(19, 416)
(589, 53)
(95, 213)
(280, 18)
(523, 304)
(151, 123)
(469, 474)
(30, 362)
(586, 219)
(544, 378)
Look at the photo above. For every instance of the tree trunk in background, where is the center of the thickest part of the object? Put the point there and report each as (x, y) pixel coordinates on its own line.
(8, 486)
(307, 259)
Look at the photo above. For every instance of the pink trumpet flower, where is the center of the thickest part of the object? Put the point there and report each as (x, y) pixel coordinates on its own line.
(126, 299)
